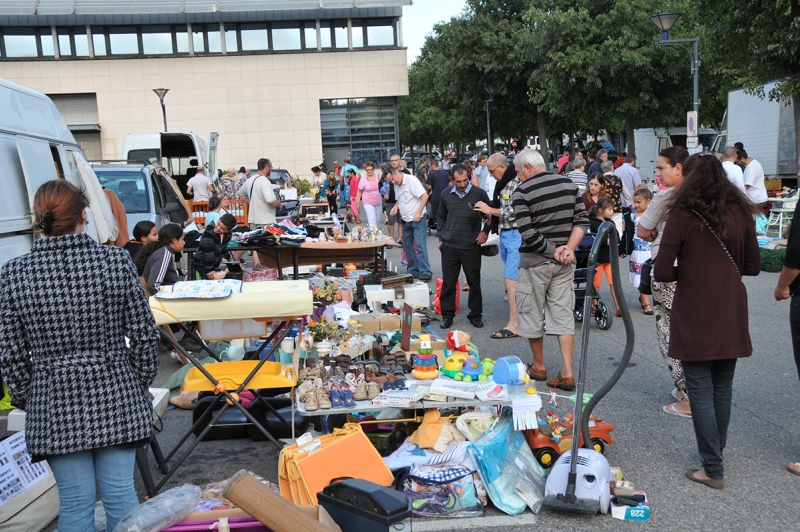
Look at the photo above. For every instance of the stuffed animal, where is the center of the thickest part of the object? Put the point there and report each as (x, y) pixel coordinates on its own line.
(457, 341)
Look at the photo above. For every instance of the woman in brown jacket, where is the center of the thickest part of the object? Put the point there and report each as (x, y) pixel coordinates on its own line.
(711, 234)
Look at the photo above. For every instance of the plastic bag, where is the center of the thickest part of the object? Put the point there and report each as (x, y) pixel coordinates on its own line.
(442, 491)
(499, 455)
(437, 304)
(161, 511)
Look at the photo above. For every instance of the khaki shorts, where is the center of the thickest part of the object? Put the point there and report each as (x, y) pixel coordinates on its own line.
(546, 287)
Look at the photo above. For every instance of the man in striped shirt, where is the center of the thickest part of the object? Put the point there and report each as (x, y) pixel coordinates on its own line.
(551, 220)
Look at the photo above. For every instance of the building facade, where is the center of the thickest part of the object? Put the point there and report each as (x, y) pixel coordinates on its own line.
(297, 82)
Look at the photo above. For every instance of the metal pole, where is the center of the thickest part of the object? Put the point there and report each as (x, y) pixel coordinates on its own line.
(164, 110)
(696, 70)
(489, 138)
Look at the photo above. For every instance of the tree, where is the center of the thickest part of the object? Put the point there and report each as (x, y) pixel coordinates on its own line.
(758, 41)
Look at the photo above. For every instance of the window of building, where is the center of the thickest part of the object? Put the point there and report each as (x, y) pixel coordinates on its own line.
(214, 39)
(81, 42)
(364, 127)
(340, 34)
(157, 40)
(285, 36)
(124, 41)
(99, 41)
(21, 42)
(182, 40)
(325, 34)
(46, 41)
(380, 33)
(254, 37)
(358, 33)
(230, 39)
(64, 44)
(198, 39)
(310, 35)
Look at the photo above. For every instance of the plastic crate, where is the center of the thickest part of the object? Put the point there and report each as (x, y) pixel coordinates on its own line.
(199, 210)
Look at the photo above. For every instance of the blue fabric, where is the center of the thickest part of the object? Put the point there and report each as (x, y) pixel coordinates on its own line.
(417, 256)
(510, 241)
(79, 475)
(454, 190)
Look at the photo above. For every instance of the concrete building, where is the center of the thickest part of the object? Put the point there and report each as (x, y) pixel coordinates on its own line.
(297, 81)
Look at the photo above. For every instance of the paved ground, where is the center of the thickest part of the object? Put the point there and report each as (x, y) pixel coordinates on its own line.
(654, 449)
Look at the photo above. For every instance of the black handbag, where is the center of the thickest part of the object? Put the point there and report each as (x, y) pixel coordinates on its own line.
(646, 280)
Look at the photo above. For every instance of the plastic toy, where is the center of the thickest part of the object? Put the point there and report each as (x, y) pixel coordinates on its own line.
(550, 440)
(453, 364)
(458, 341)
(425, 363)
(508, 369)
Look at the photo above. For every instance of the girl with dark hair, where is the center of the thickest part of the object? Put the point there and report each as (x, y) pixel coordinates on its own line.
(709, 243)
(214, 209)
(332, 191)
(669, 170)
(143, 233)
(156, 262)
(72, 315)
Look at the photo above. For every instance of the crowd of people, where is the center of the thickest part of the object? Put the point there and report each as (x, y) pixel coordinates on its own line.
(696, 239)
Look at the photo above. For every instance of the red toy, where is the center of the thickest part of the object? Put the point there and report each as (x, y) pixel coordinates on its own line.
(458, 341)
(549, 441)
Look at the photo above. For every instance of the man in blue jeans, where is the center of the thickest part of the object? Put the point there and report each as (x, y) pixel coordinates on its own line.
(789, 285)
(411, 199)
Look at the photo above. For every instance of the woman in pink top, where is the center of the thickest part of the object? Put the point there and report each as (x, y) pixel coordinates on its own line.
(353, 179)
(369, 192)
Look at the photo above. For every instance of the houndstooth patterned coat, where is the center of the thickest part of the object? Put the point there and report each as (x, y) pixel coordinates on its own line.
(65, 310)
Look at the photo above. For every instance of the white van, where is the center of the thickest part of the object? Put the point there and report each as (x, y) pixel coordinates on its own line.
(36, 146)
(650, 142)
(179, 153)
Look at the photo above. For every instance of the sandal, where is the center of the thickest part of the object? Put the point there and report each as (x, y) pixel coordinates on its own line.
(794, 468)
(670, 409)
(502, 334)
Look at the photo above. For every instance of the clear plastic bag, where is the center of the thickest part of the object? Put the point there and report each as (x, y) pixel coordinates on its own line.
(161, 511)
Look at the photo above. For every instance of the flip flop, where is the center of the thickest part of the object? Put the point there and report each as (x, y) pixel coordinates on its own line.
(670, 409)
(794, 468)
(502, 334)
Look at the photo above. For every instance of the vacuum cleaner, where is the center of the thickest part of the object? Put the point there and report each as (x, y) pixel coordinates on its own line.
(580, 480)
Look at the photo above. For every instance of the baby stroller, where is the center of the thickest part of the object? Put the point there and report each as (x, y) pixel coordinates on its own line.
(602, 314)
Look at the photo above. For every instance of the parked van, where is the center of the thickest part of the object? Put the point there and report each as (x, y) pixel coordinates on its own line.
(36, 146)
(650, 142)
(179, 153)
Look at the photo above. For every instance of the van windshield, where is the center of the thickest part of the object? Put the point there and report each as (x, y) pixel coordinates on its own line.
(128, 185)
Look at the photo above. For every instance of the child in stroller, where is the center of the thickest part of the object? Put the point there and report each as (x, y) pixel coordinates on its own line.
(601, 313)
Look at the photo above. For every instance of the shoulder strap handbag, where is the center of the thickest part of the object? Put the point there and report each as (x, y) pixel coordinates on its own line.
(728, 253)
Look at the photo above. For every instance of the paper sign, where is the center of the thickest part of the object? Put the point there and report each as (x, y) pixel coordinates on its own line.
(17, 473)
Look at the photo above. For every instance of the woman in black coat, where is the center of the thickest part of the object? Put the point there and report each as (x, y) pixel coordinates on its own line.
(710, 235)
(66, 310)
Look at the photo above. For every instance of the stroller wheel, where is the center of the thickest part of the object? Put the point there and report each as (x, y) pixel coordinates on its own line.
(578, 313)
(603, 317)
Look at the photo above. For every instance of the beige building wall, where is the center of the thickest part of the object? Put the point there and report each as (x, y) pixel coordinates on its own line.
(261, 105)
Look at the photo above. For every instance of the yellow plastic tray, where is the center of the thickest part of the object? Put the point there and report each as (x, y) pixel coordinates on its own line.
(233, 374)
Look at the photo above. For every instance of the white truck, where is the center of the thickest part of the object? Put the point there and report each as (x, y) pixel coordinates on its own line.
(650, 141)
(766, 128)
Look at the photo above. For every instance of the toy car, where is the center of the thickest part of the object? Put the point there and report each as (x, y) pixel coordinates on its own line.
(547, 450)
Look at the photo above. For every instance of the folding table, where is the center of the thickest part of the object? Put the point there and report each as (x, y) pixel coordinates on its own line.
(244, 314)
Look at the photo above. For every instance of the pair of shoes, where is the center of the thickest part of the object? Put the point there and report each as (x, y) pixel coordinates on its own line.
(502, 334)
(564, 383)
(361, 392)
(794, 467)
(537, 375)
(476, 322)
(446, 323)
(670, 409)
(466, 287)
(716, 483)
(425, 277)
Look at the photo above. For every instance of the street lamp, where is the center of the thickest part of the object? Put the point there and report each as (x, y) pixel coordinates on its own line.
(161, 93)
(664, 22)
(489, 138)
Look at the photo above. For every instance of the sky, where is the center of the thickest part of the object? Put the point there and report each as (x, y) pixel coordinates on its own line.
(418, 21)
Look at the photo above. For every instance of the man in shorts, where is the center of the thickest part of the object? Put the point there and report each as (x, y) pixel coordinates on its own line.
(552, 220)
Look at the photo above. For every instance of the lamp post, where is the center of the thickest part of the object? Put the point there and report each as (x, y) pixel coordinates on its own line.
(664, 22)
(161, 93)
(489, 138)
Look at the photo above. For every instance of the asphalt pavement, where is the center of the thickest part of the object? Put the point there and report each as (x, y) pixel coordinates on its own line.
(653, 448)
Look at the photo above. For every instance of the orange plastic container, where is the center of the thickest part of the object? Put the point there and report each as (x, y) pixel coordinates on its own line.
(232, 375)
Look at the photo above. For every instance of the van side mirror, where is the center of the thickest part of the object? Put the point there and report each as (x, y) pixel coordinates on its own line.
(170, 208)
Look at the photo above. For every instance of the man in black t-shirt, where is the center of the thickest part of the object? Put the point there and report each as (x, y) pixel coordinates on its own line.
(438, 181)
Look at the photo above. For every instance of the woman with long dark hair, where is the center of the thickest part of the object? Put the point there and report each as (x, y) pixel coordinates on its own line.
(669, 170)
(711, 236)
(156, 262)
(78, 351)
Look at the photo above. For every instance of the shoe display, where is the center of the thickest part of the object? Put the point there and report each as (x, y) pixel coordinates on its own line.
(361, 392)
(446, 323)
(563, 383)
(336, 398)
(347, 397)
(311, 402)
(322, 398)
(373, 390)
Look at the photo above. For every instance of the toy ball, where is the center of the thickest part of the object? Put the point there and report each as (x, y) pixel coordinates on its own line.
(508, 369)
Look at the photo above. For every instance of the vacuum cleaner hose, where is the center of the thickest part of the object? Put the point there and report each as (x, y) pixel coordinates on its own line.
(608, 230)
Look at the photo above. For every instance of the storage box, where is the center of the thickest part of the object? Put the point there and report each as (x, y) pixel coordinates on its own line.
(415, 295)
(773, 184)
(366, 507)
(632, 513)
(368, 323)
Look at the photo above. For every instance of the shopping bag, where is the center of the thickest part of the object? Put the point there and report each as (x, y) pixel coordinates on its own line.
(437, 304)
(499, 455)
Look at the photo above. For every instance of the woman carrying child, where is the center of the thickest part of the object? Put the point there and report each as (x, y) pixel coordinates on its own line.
(641, 248)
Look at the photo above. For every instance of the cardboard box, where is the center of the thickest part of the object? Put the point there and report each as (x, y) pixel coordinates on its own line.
(317, 512)
(369, 324)
(391, 322)
(632, 513)
(416, 295)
